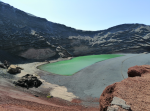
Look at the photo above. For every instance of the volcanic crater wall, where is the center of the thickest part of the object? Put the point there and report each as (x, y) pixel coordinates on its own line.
(36, 38)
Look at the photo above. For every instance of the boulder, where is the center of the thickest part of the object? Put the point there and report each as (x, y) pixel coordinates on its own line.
(120, 102)
(6, 63)
(13, 69)
(113, 108)
(133, 92)
(28, 81)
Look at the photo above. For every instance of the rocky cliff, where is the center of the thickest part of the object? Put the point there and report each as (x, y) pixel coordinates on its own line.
(36, 38)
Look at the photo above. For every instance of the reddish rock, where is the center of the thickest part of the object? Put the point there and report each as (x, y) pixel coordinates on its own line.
(134, 90)
(138, 70)
(76, 101)
(106, 97)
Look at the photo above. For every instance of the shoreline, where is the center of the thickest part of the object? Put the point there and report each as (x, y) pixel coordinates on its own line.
(81, 75)
(57, 84)
(56, 90)
(52, 61)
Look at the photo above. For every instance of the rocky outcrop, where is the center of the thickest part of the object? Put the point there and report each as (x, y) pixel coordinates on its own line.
(118, 103)
(5, 65)
(134, 91)
(13, 69)
(33, 37)
(139, 71)
(28, 81)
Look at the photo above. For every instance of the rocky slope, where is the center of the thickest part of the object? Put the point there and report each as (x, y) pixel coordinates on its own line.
(36, 38)
(134, 91)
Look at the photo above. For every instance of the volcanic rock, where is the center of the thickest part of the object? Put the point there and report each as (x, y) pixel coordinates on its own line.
(2, 66)
(134, 90)
(63, 52)
(5, 65)
(33, 37)
(120, 102)
(13, 69)
(138, 70)
(113, 108)
(28, 81)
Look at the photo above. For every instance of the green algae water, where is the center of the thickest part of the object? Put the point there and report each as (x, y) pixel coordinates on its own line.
(69, 67)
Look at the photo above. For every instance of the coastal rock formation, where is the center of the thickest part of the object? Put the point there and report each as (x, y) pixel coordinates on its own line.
(134, 91)
(33, 37)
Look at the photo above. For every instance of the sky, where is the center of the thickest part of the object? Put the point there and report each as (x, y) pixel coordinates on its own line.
(87, 14)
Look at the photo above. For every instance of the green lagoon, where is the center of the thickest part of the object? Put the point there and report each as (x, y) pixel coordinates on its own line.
(69, 67)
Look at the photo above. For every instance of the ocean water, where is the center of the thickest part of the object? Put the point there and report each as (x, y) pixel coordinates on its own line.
(70, 67)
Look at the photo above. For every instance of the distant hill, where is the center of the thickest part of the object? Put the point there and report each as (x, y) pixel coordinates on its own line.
(36, 38)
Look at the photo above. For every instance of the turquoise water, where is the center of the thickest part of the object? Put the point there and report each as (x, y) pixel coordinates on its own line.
(69, 67)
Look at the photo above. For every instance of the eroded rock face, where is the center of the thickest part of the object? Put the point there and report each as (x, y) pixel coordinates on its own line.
(134, 90)
(36, 38)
